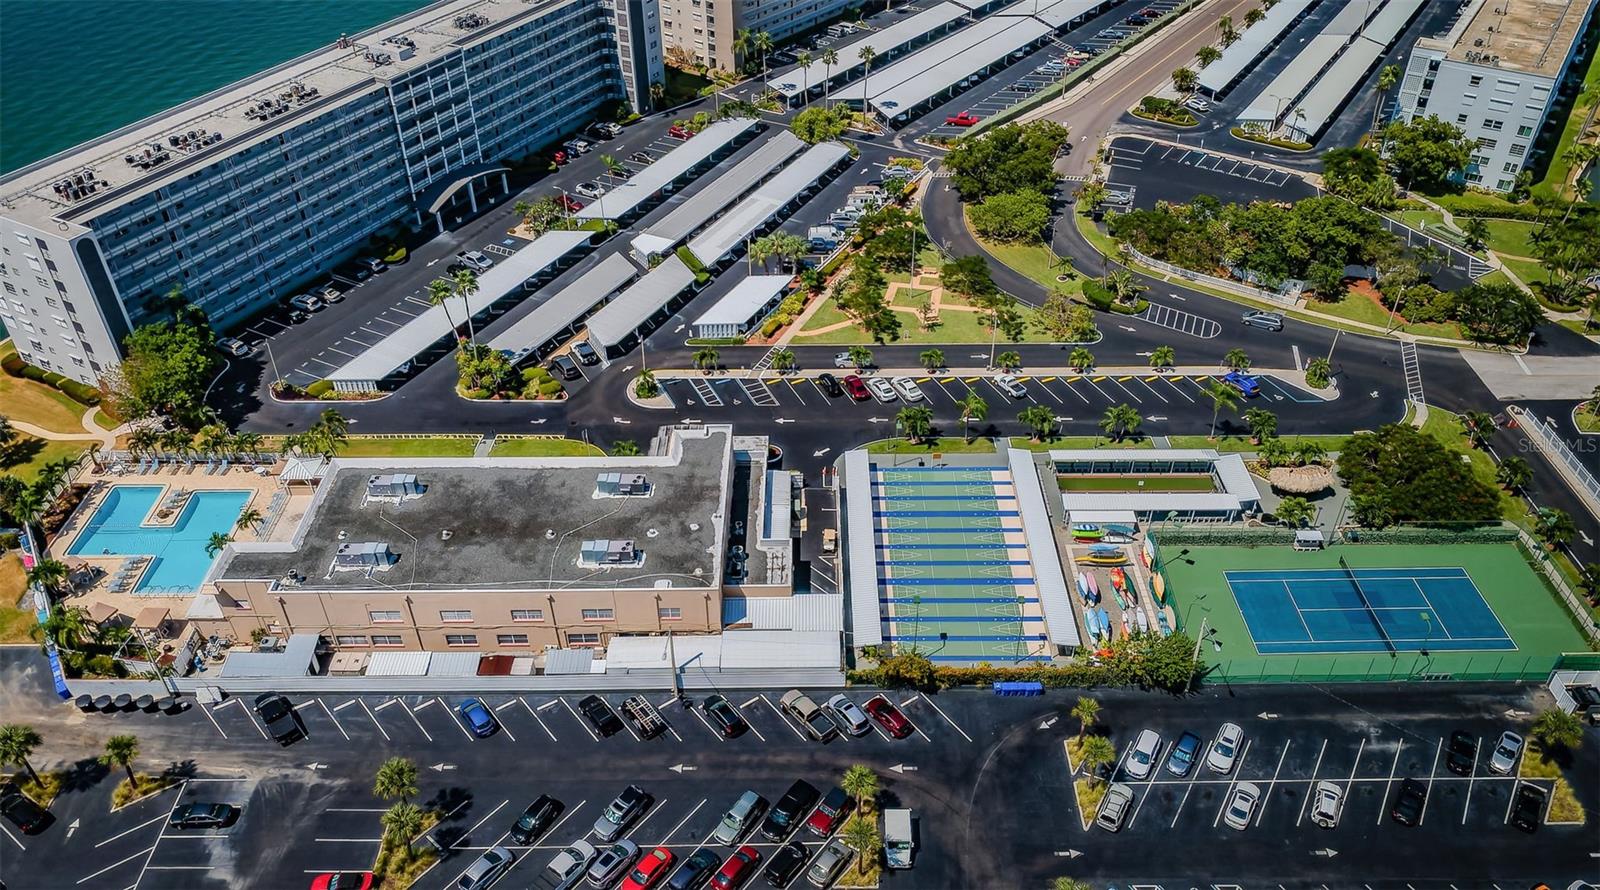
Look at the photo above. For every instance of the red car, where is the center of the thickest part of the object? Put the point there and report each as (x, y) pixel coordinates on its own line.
(569, 203)
(678, 132)
(964, 119)
(738, 869)
(889, 717)
(560, 158)
(834, 807)
(856, 389)
(344, 880)
(1073, 62)
(652, 868)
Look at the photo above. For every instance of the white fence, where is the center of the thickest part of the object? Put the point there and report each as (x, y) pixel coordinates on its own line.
(1232, 287)
(1544, 436)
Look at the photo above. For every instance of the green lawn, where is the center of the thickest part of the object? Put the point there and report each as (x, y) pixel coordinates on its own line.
(27, 455)
(953, 327)
(682, 86)
(543, 448)
(32, 402)
(1077, 443)
(1036, 261)
(1529, 271)
(942, 445)
(1135, 483)
(1233, 444)
(1420, 219)
(1357, 307)
(1588, 420)
(427, 447)
(15, 623)
(103, 420)
(1510, 236)
(1560, 168)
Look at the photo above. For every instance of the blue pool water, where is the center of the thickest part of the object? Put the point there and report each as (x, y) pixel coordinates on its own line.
(179, 550)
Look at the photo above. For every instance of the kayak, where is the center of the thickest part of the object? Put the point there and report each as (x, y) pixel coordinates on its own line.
(1119, 586)
(1094, 588)
(1105, 622)
(1159, 585)
(1083, 588)
(1144, 623)
(1133, 590)
(1104, 548)
(1104, 559)
(1085, 531)
(1127, 626)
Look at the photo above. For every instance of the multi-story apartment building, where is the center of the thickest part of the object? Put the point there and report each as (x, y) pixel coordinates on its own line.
(1495, 75)
(705, 30)
(243, 194)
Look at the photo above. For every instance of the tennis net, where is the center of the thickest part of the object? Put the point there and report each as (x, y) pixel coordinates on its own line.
(1371, 612)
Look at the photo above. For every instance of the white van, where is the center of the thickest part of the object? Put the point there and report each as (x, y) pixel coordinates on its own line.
(897, 838)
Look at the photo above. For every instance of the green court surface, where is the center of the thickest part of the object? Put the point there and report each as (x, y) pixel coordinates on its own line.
(1095, 482)
(1531, 614)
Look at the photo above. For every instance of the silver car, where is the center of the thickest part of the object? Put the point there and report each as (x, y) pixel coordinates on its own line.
(1143, 756)
(848, 715)
(825, 869)
(1114, 807)
(566, 870)
(908, 389)
(1327, 802)
(486, 869)
(1242, 805)
(1506, 752)
(612, 862)
(475, 260)
(882, 389)
(1225, 748)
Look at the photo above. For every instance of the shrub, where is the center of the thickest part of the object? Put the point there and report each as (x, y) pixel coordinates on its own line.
(549, 388)
(770, 326)
(81, 393)
(1146, 660)
(319, 389)
(475, 393)
(13, 364)
(395, 257)
(103, 665)
(1097, 295)
(10, 541)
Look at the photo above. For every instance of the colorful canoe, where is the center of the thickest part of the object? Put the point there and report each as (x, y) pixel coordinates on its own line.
(1085, 531)
(1119, 587)
(1094, 587)
(1104, 559)
(1159, 585)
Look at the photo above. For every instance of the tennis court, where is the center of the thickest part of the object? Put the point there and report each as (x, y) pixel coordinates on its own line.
(1325, 611)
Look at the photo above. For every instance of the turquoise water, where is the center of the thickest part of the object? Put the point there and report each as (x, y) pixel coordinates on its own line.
(181, 560)
(71, 70)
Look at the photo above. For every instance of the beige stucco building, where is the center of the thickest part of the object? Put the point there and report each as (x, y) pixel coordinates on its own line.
(704, 30)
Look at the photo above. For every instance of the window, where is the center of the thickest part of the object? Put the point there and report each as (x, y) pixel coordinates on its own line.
(527, 614)
(1490, 123)
(1508, 167)
(1488, 143)
(350, 640)
(386, 640)
(1518, 149)
(1475, 80)
(455, 614)
(1524, 130)
(384, 616)
(511, 639)
(461, 639)
(598, 615)
(1480, 159)
(583, 639)
(1505, 185)
(669, 613)
(1461, 118)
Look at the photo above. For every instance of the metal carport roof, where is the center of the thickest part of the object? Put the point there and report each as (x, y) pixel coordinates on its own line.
(721, 237)
(1277, 100)
(1391, 20)
(793, 81)
(1335, 85)
(1251, 45)
(717, 195)
(633, 307)
(933, 81)
(626, 197)
(884, 79)
(748, 296)
(1057, 15)
(431, 325)
(861, 551)
(565, 307)
(298, 658)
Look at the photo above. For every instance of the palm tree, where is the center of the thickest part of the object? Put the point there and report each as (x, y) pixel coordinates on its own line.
(1237, 360)
(1008, 361)
(1554, 527)
(330, 432)
(1309, 451)
(866, 55)
(1069, 884)
(915, 421)
(1098, 753)
(465, 284)
(743, 42)
(17, 743)
(862, 836)
(122, 750)
(1222, 396)
(1184, 80)
(614, 168)
(1555, 728)
(705, 358)
(1388, 76)
(1476, 231)
(49, 574)
(1294, 511)
(1317, 372)
(932, 359)
(1479, 426)
(1253, 16)
(829, 59)
(861, 783)
(401, 823)
(67, 627)
(1038, 419)
(1207, 55)
(1263, 424)
(439, 294)
(1121, 421)
(1514, 473)
(783, 360)
(1080, 359)
(763, 44)
(1086, 712)
(658, 91)
(759, 251)
(1225, 26)
(1162, 357)
(973, 410)
(217, 543)
(1122, 285)
(250, 519)
(803, 58)
(143, 439)
(396, 779)
(860, 356)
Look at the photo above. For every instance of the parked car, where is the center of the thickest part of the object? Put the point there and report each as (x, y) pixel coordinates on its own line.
(278, 715)
(1461, 754)
(1242, 805)
(478, 718)
(737, 870)
(560, 159)
(1114, 807)
(785, 864)
(486, 869)
(857, 389)
(621, 813)
(889, 717)
(964, 119)
(568, 867)
(353, 271)
(641, 157)
(292, 316)
(1181, 759)
(1195, 103)
(1117, 198)
(843, 360)
(790, 809)
(330, 294)
(1267, 321)
(1327, 803)
(585, 353)
(612, 862)
(536, 820)
(829, 386)
(599, 714)
(1244, 383)
(343, 880)
(232, 346)
(678, 132)
(739, 819)
(1225, 748)
(373, 264)
(830, 863)
(848, 715)
(1506, 751)
(605, 130)
(307, 303)
(1143, 756)
(833, 809)
(475, 260)
(650, 870)
(882, 389)
(908, 389)
(1409, 802)
(203, 815)
(576, 146)
(724, 716)
(564, 367)
(1527, 808)
(569, 203)
(20, 810)
(811, 718)
(1011, 386)
(696, 871)
(590, 189)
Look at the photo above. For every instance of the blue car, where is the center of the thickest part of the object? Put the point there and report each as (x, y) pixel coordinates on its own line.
(478, 718)
(1183, 754)
(1244, 383)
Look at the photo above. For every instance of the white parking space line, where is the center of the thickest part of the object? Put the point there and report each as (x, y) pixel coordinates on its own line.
(334, 349)
(207, 712)
(1384, 804)
(1471, 777)
(114, 864)
(1267, 798)
(538, 718)
(1146, 385)
(674, 830)
(122, 834)
(479, 823)
(424, 704)
(1119, 381)
(386, 704)
(1437, 750)
(658, 807)
(707, 724)
(151, 855)
(13, 838)
(1311, 783)
(247, 714)
(401, 311)
(1074, 390)
(581, 722)
(454, 718)
(335, 720)
(501, 707)
(1044, 384)
(550, 832)
(375, 719)
(1510, 799)
(413, 715)
(797, 733)
(1150, 780)
(946, 717)
(321, 362)
(1227, 792)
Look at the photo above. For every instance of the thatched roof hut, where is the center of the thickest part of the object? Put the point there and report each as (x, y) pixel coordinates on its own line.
(1301, 480)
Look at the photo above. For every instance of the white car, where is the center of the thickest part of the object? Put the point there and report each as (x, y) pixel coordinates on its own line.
(330, 294)
(475, 260)
(233, 347)
(1011, 386)
(848, 715)
(908, 389)
(1327, 802)
(1225, 748)
(589, 189)
(1143, 756)
(843, 360)
(1506, 752)
(307, 302)
(1242, 805)
(1195, 103)
(882, 389)
(577, 146)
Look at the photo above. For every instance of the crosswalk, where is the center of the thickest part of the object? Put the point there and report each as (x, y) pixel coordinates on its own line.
(758, 392)
(1179, 320)
(1413, 370)
(702, 388)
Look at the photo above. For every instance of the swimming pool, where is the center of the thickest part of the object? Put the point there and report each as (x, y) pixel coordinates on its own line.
(180, 560)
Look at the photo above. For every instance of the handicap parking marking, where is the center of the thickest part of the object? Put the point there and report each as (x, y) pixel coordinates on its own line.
(1311, 783)
(374, 716)
(538, 718)
(581, 722)
(1383, 803)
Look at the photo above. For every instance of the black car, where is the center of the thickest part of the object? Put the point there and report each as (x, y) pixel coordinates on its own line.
(282, 723)
(830, 385)
(291, 316)
(1462, 754)
(565, 368)
(536, 820)
(585, 353)
(1527, 811)
(785, 864)
(790, 810)
(724, 716)
(640, 157)
(202, 815)
(599, 714)
(696, 870)
(1409, 802)
(20, 810)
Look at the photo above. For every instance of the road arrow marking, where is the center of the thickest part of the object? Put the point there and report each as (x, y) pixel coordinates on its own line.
(1327, 853)
(978, 355)
(903, 768)
(1156, 418)
(876, 419)
(679, 328)
(1069, 854)
(1586, 539)
(441, 767)
(73, 827)
(627, 368)
(1267, 715)
(1144, 354)
(681, 768)
(616, 419)
(1514, 714)
(539, 421)
(1176, 297)
(316, 766)
(1046, 724)
(820, 452)
(1126, 328)
(783, 420)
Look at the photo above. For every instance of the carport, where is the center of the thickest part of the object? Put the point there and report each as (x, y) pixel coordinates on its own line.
(887, 43)
(562, 311)
(628, 196)
(716, 196)
(719, 240)
(1217, 77)
(435, 198)
(949, 70)
(620, 319)
(739, 308)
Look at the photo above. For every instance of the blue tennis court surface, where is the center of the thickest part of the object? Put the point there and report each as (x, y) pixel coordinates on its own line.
(1321, 611)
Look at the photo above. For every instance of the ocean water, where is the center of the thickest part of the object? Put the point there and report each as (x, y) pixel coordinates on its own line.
(71, 70)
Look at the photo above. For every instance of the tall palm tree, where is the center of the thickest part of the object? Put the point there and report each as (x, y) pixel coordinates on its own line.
(783, 360)
(973, 410)
(1038, 419)
(1121, 421)
(915, 421)
(860, 782)
(763, 45)
(49, 574)
(1388, 76)
(17, 743)
(122, 750)
(744, 40)
(803, 58)
(1222, 396)
(329, 432)
(248, 443)
(67, 627)
(705, 358)
(862, 836)
(249, 519)
(1086, 712)
(1253, 16)
(614, 168)
(1098, 753)
(439, 294)
(465, 284)
(658, 91)
(830, 58)
(866, 56)
(1207, 55)
(401, 823)
(1514, 473)
(396, 779)
(932, 359)
(143, 439)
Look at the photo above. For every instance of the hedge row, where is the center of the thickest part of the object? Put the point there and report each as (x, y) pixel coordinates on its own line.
(78, 392)
(320, 389)
(1147, 660)
(1100, 298)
